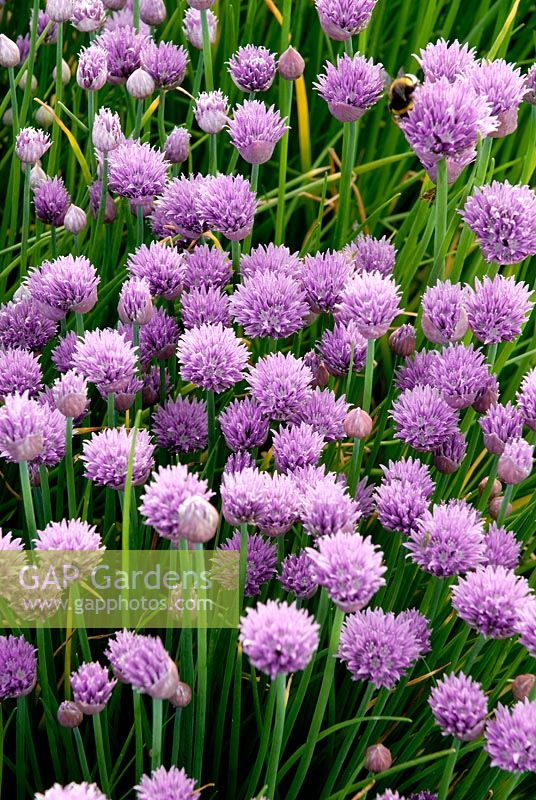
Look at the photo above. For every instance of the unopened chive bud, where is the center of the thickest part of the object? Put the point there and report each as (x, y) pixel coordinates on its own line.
(75, 219)
(357, 424)
(9, 52)
(182, 696)
(65, 72)
(43, 117)
(59, 10)
(7, 117)
(33, 84)
(402, 341)
(290, 65)
(140, 84)
(197, 520)
(152, 12)
(37, 177)
(69, 715)
(522, 686)
(378, 758)
(494, 507)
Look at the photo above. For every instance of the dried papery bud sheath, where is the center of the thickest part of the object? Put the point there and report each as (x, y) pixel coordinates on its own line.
(153, 12)
(357, 424)
(290, 65)
(198, 519)
(75, 219)
(494, 507)
(69, 715)
(522, 685)
(496, 489)
(9, 52)
(378, 758)
(402, 341)
(182, 696)
(140, 84)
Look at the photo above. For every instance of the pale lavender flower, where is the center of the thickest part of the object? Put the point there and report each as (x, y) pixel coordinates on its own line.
(497, 308)
(280, 385)
(92, 70)
(68, 534)
(181, 425)
(66, 284)
(417, 371)
(212, 357)
(211, 111)
(412, 470)
(238, 461)
(371, 301)
(269, 304)
(207, 266)
(51, 200)
(227, 204)
(500, 424)
(176, 211)
(378, 646)
(158, 338)
(280, 507)
(327, 508)
(163, 784)
(31, 145)
(105, 358)
(23, 325)
(296, 575)
(351, 86)
(449, 455)
(278, 637)
(503, 217)
(205, 305)
(389, 795)
(106, 134)
(459, 706)
(444, 318)
(526, 399)
(423, 418)
(420, 625)
(323, 276)
(164, 495)
(490, 599)
(165, 62)
(501, 548)
(20, 372)
(443, 59)
(148, 667)
(515, 462)
(511, 737)
(530, 86)
(503, 86)
(53, 436)
(88, 15)
(243, 424)
(73, 791)
(252, 68)
(242, 495)
(137, 171)
(349, 567)
(191, 27)
(342, 345)
(92, 687)
(106, 455)
(123, 48)
(22, 428)
(342, 19)
(255, 130)
(271, 258)
(296, 446)
(163, 267)
(70, 394)
(18, 667)
(261, 561)
(177, 145)
(400, 505)
(324, 412)
(459, 372)
(448, 540)
(367, 254)
(135, 302)
(364, 497)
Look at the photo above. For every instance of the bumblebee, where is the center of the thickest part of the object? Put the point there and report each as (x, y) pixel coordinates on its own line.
(401, 95)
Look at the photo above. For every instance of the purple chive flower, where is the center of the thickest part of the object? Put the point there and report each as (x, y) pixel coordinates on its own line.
(162, 267)
(261, 561)
(342, 19)
(445, 122)
(417, 371)
(227, 204)
(242, 495)
(252, 68)
(490, 599)
(324, 412)
(296, 446)
(18, 667)
(421, 628)
(212, 357)
(87, 15)
(158, 339)
(238, 461)
(110, 211)
(371, 301)
(243, 424)
(448, 540)
(206, 266)
(7, 542)
(351, 86)
(135, 302)
(515, 462)
(105, 358)
(73, 791)
(500, 424)
(176, 211)
(423, 796)
(255, 130)
(51, 200)
(165, 62)
(161, 502)
(123, 48)
(177, 145)
(69, 534)
(147, 666)
(526, 627)
(280, 506)
(487, 396)
(280, 385)
(92, 687)
(377, 646)
(92, 70)
(367, 254)
(181, 425)
(106, 456)
(400, 505)
(526, 399)
(191, 27)
(389, 795)
(327, 508)
(107, 134)
(423, 418)
(269, 304)
(511, 737)
(449, 455)
(69, 283)
(312, 360)
(22, 428)
(443, 59)
(342, 345)
(137, 171)
(411, 470)
(164, 783)
(530, 86)
(503, 86)
(31, 145)
(323, 276)
(503, 218)
(459, 706)
(118, 648)
(271, 258)
(501, 548)
(459, 372)
(211, 111)
(296, 575)
(23, 325)
(205, 305)
(444, 318)
(364, 497)
(349, 567)
(20, 372)
(497, 308)
(278, 637)
(23, 43)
